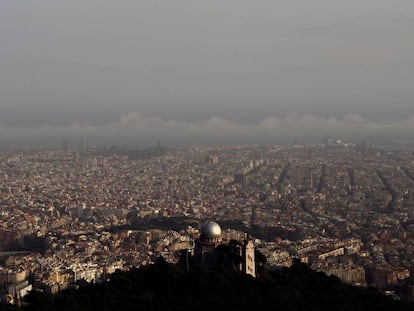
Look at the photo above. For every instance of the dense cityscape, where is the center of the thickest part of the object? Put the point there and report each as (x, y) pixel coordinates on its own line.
(73, 215)
(201, 155)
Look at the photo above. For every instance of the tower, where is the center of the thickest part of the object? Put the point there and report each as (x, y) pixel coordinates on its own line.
(64, 144)
(82, 143)
(248, 262)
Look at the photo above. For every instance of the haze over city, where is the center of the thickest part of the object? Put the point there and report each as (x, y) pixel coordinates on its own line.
(205, 72)
(204, 154)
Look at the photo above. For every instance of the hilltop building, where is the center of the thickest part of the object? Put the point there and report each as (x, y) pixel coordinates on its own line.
(209, 251)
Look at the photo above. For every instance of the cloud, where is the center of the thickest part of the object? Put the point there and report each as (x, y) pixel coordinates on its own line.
(135, 129)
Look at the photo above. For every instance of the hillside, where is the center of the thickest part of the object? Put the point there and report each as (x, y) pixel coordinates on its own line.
(168, 287)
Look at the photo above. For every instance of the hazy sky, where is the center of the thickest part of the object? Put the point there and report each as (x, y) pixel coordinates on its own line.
(203, 69)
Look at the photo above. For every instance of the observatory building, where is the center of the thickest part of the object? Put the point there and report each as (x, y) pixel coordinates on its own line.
(209, 251)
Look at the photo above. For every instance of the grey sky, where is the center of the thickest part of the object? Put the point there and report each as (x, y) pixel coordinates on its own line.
(92, 63)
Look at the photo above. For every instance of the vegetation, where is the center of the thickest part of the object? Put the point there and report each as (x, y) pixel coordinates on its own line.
(164, 286)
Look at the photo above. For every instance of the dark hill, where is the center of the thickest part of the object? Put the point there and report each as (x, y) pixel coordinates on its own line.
(168, 287)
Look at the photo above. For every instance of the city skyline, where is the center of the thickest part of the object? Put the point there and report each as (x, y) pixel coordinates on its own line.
(342, 209)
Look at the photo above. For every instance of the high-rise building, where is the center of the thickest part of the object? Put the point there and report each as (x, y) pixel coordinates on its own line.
(64, 144)
(82, 143)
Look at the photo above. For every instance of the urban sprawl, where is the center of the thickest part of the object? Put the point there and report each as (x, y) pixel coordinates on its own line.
(78, 215)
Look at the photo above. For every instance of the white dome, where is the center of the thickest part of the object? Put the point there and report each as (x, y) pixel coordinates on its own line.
(211, 229)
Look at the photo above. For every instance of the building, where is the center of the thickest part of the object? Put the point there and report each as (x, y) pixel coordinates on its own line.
(205, 254)
(209, 251)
